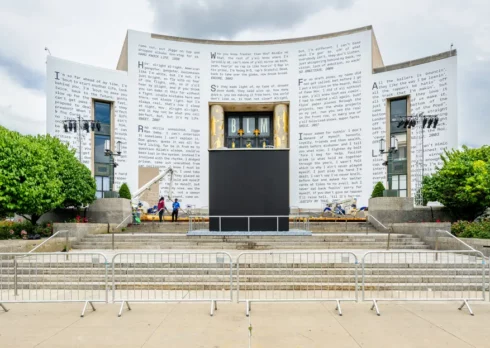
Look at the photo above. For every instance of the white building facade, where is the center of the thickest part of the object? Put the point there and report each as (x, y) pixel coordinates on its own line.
(329, 99)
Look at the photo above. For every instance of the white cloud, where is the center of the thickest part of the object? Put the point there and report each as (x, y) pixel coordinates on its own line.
(89, 31)
(21, 109)
(92, 32)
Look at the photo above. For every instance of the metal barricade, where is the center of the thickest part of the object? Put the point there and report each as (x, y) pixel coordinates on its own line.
(457, 275)
(172, 277)
(53, 277)
(296, 276)
(296, 222)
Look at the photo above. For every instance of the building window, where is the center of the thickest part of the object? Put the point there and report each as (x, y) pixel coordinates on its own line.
(397, 162)
(103, 185)
(102, 114)
(248, 129)
(99, 151)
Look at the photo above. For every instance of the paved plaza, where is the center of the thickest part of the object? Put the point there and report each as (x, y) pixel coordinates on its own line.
(273, 325)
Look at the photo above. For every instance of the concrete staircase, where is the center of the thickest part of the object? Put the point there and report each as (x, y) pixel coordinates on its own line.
(253, 277)
(318, 241)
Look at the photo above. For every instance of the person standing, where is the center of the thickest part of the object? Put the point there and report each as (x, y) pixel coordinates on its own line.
(175, 209)
(161, 208)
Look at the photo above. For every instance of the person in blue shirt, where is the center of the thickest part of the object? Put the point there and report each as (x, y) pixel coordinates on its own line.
(175, 209)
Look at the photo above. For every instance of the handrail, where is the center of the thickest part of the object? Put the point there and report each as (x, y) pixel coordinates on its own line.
(130, 215)
(47, 240)
(379, 222)
(459, 240)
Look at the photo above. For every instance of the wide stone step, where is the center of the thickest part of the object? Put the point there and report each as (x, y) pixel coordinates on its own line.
(79, 288)
(297, 279)
(250, 240)
(165, 271)
(249, 247)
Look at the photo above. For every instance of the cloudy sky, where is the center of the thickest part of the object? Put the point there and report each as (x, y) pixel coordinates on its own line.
(92, 32)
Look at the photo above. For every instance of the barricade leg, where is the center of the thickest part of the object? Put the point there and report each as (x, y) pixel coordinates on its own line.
(338, 308)
(122, 307)
(465, 303)
(375, 305)
(85, 307)
(214, 306)
(3, 307)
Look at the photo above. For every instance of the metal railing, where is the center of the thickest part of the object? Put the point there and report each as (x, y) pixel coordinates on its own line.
(172, 277)
(113, 242)
(55, 238)
(296, 276)
(52, 277)
(423, 276)
(383, 229)
(198, 222)
(459, 242)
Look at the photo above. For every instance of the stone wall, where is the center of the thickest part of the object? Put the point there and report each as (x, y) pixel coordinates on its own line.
(398, 209)
(109, 210)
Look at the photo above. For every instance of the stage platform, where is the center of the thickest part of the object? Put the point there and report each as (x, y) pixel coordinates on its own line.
(254, 233)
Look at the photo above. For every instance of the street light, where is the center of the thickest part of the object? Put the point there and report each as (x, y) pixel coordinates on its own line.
(108, 152)
(392, 149)
(71, 125)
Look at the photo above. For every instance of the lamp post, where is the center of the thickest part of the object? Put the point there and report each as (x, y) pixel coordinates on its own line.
(108, 152)
(389, 151)
(72, 125)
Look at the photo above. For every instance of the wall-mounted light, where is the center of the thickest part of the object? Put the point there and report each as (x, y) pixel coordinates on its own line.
(107, 146)
(381, 145)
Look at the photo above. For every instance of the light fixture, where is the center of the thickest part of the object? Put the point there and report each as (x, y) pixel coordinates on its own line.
(118, 147)
(107, 146)
(414, 122)
(86, 126)
(424, 122)
(65, 126)
(429, 123)
(393, 143)
(400, 123)
(70, 126)
(98, 126)
(436, 121)
(407, 122)
(381, 145)
(92, 126)
(74, 126)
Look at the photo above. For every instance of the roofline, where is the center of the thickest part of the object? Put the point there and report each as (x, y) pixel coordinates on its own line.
(264, 42)
(419, 61)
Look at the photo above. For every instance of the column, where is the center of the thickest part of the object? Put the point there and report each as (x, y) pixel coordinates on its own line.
(217, 127)
(281, 126)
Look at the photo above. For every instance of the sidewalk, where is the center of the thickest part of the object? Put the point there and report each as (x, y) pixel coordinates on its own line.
(274, 325)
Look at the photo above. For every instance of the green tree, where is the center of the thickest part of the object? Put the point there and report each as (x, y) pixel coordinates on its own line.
(29, 182)
(378, 190)
(78, 184)
(462, 184)
(38, 174)
(124, 191)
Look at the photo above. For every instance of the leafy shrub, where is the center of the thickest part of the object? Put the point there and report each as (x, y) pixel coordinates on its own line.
(462, 184)
(378, 190)
(124, 191)
(466, 229)
(13, 230)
